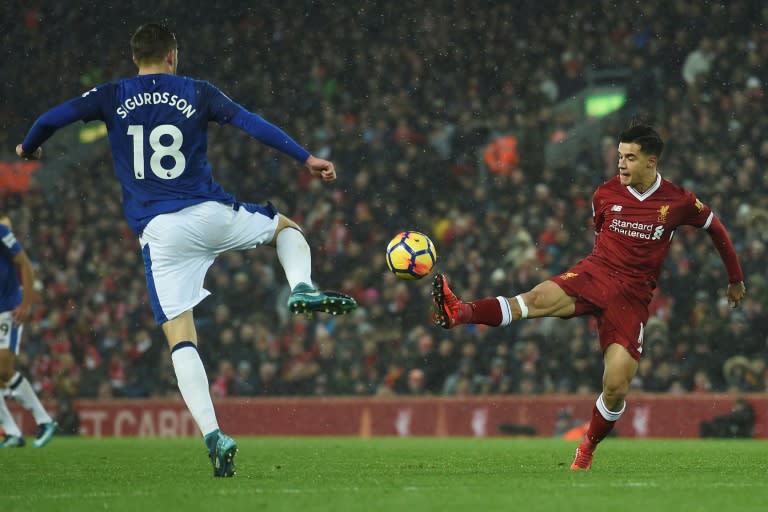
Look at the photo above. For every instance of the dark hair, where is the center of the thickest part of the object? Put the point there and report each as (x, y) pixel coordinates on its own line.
(644, 136)
(151, 42)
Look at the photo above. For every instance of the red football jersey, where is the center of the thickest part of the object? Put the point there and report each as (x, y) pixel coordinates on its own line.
(634, 230)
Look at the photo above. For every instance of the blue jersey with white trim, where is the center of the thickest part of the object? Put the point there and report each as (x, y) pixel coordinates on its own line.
(157, 128)
(10, 286)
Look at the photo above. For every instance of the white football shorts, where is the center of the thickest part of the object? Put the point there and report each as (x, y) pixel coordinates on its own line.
(10, 334)
(179, 248)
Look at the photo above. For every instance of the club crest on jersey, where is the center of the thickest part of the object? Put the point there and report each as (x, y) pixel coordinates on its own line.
(616, 208)
(568, 275)
(699, 205)
(663, 212)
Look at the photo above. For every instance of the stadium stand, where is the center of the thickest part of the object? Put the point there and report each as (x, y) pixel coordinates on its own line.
(404, 99)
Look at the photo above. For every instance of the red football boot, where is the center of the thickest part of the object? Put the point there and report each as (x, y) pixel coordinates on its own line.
(583, 458)
(447, 311)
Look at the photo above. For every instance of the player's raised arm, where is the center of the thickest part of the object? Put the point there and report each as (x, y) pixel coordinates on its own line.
(269, 134)
(44, 127)
(224, 110)
(724, 246)
(272, 136)
(86, 107)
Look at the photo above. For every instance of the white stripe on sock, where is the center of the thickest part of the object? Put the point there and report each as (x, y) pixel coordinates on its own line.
(506, 311)
(605, 413)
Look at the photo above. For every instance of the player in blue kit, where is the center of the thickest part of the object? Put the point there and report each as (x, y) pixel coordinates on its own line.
(157, 127)
(15, 308)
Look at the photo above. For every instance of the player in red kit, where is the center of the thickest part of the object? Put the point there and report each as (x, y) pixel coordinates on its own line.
(635, 217)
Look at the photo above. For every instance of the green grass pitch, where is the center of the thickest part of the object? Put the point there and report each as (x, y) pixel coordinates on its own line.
(386, 474)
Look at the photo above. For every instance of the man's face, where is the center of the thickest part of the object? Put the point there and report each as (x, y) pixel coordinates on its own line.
(635, 167)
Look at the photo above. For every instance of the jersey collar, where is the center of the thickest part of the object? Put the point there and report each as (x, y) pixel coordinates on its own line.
(645, 195)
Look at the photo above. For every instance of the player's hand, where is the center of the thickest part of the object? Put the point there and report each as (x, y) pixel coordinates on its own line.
(321, 168)
(736, 292)
(35, 155)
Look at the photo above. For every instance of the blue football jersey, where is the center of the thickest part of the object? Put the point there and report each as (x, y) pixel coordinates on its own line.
(157, 129)
(10, 287)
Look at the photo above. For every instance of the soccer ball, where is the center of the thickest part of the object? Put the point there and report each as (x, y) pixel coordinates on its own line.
(411, 255)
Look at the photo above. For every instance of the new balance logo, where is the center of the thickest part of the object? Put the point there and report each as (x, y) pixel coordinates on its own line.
(616, 208)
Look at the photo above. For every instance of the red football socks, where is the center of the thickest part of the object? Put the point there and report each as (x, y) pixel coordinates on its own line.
(599, 427)
(484, 311)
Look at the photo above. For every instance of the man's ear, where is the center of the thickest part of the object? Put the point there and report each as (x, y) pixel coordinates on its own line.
(135, 61)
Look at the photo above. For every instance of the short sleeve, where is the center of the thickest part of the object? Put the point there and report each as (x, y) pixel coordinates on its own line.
(695, 213)
(8, 241)
(597, 211)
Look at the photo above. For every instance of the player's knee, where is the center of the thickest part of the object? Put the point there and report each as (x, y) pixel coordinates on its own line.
(7, 367)
(614, 391)
(543, 297)
(285, 223)
(5, 377)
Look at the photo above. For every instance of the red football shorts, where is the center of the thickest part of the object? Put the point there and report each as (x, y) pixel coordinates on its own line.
(620, 306)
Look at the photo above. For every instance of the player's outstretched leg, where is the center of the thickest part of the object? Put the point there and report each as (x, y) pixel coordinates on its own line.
(583, 458)
(447, 311)
(44, 434)
(307, 299)
(221, 450)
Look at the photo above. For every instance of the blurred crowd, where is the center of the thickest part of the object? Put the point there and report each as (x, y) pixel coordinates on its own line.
(403, 98)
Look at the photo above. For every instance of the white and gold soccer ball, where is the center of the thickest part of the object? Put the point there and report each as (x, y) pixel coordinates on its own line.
(411, 255)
